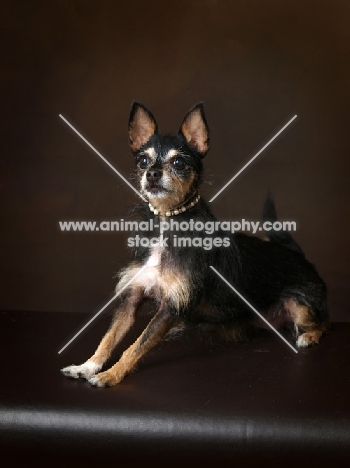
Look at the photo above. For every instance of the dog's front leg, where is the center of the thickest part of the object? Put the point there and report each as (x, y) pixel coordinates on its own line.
(123, 321)
(154, 332)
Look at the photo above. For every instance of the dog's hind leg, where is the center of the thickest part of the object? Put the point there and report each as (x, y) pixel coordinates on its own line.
(154, 332)
(309, 328)
(123, 321)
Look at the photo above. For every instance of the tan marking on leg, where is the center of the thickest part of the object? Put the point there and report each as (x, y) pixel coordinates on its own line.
(176, 287)
(309, 338)
(302, 317)
(300, 314)
(154, 332)
(125, 318)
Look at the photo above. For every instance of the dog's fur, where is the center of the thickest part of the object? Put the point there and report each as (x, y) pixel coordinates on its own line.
(272, 275)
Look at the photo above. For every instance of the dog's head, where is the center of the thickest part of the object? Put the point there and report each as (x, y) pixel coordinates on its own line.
(168, 167)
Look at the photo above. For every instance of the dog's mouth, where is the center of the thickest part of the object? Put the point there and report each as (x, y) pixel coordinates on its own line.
(155, 189)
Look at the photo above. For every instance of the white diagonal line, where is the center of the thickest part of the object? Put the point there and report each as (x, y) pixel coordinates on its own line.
(251, 160)
(253, 309)
(103, 308)
(103, 158)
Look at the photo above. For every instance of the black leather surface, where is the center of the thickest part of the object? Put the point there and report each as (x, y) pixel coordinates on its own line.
(253, 403)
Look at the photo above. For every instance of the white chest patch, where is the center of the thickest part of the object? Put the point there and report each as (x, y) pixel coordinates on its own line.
(155, 258)
(157, 282)
(150, 278)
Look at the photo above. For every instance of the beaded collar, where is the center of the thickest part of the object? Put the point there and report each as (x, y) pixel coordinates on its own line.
(176, 211)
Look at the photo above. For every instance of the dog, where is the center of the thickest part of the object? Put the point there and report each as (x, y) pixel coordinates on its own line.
(272, 274)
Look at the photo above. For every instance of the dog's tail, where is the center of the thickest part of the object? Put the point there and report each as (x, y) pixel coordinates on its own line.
(281, 237)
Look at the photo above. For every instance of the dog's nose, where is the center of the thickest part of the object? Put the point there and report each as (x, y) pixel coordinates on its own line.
(154, 174)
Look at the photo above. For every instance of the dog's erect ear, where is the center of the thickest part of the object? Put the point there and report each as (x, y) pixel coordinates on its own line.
(195, 129)
(142, 126)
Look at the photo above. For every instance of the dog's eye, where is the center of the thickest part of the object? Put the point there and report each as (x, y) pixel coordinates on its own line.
(179, 163)
(143, 162)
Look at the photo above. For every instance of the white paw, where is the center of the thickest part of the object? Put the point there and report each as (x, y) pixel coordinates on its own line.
(84, 371)
(95, 381)
(302, 342)
(309, 339)
(106, 379)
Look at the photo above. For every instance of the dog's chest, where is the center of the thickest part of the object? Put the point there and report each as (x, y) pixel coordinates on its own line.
(163, 282)
(151, 279)
(155, 257)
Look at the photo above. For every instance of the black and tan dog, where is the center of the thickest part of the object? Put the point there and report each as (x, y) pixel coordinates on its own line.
(273, 276)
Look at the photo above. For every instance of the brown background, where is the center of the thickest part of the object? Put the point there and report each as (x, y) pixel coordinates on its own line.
(255, 63)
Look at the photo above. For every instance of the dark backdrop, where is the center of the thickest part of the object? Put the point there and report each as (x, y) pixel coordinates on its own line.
(255, 63)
